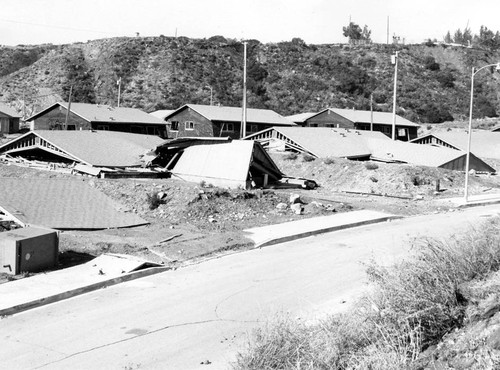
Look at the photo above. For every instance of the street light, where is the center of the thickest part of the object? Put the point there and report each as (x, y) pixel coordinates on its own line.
(467, 161)
(211, 94)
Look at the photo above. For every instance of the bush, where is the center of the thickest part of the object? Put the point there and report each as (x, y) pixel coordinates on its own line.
(308, 157)
(328, 160)
(413, 304)
(371, 166)
(154, 200)
(291, 156)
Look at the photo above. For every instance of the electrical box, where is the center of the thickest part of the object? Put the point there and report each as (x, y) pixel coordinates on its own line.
(29, 249)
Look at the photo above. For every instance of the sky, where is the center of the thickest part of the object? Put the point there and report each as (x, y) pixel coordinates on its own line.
(314, 21)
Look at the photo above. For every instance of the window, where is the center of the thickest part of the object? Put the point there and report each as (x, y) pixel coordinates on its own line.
(189, 125)
(227, 127)
(252, 128)
(174, 125)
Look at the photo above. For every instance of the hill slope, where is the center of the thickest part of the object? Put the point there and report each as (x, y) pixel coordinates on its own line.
(289, 77)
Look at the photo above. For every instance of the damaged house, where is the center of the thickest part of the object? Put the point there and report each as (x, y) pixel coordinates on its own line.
(9, 120)
(219, 162)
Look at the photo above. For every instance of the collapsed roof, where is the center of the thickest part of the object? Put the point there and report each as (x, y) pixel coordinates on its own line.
(228, 163)
(358, 144)
(94, 148)
(62, 204)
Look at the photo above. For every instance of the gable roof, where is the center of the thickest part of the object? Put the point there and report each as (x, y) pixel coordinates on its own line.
(7, 110)
(325, 142)
(105, 113)
(95, 148)
(234, 114)
(52, 203)
(485, 144)
(364, 116)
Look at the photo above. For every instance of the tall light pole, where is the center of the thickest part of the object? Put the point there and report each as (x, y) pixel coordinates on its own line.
(211, 94)
(395, 62)
(467, 161)
(119, 83)
(244, 118)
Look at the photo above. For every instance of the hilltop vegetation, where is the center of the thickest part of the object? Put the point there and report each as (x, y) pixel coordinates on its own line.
(288, 77)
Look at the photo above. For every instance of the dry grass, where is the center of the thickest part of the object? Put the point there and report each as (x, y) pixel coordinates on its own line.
(414, 303)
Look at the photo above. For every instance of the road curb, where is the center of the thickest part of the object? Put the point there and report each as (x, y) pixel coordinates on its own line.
(477, 204)
(82, 290)
(324, 230)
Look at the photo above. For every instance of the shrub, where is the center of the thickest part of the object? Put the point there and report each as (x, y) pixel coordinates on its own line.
(154, 200)
(328, 160)
(291, 156)
(371, 166)
(413, 304)
(307, 157)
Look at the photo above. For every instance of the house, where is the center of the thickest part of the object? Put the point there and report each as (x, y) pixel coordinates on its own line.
(9, 120)
(217, 121)
(92, 148)
(362, 120)
(97, 117)
(322, 142)
(485, 144)
(300, 118)
(232, 164)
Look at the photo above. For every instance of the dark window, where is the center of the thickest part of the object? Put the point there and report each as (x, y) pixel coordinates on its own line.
(174, 126)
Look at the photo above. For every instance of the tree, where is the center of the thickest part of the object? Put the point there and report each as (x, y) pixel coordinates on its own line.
(355, 34)
(447, 38)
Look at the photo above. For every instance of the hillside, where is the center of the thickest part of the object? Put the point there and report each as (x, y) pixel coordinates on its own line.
(289, 77)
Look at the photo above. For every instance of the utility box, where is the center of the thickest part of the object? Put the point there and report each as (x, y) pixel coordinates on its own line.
(28, 249)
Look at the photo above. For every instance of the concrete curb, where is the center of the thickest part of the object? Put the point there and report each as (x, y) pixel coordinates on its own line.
(324, 230)
(82, 290)
(479, 203)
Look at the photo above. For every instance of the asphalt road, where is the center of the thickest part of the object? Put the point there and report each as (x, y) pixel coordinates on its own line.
(179, 319)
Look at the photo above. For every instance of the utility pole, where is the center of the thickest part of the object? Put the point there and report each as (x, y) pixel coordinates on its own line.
(371, 112)
(244, 119)
(387, 30)
(69, 108)
(119, 83)
(395, 62)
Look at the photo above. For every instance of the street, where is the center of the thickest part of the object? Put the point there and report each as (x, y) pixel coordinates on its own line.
(204, 313)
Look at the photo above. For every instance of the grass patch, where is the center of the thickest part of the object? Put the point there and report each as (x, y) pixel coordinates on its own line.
(308, 157)
(371, 166)
(413, 304)
(291, 156)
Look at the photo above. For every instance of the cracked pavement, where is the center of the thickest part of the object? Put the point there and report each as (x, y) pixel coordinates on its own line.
(205, 312)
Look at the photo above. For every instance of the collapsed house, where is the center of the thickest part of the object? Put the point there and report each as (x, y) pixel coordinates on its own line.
(220, 162)
(485, 144)
(92, 151)
(322, 142)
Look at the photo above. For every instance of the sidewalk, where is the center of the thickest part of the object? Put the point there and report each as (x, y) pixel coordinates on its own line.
(274, 234)
(473, 200)
(41, 289)
(107, 270)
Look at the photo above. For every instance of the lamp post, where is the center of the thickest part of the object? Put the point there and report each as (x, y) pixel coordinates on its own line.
(395, 62)
(244, 112)
(467, 161)
(211, 94)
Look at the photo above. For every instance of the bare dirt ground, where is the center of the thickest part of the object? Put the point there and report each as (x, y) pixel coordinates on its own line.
(191, 221)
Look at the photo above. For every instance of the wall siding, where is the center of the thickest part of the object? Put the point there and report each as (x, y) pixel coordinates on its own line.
(329, 119)
(55, 118)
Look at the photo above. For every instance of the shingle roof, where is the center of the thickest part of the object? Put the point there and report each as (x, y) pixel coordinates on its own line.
(234, 114)
(364, 116)
(4, 108)
(331, 142)
(97, 148)
(161, 114)
(300, 117)
(62, 204)
(485, 144)
(106, 113)
(423, 155)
